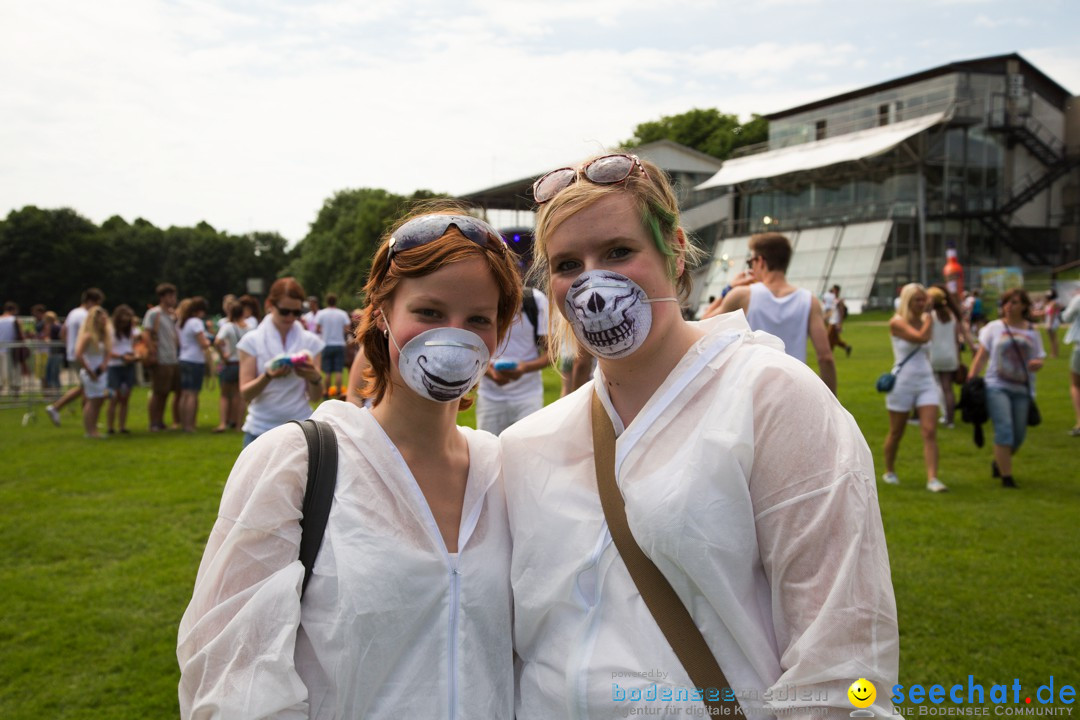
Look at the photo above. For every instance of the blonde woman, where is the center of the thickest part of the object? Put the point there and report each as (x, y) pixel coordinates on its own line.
(911, 329)
(742, 477)
(92, 350)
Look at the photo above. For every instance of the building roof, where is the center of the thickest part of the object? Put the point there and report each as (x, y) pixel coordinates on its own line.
(821, 153)
(994, 65)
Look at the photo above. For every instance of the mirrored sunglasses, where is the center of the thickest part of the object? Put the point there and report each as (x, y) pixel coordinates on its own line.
(428, 228)
(605, 170)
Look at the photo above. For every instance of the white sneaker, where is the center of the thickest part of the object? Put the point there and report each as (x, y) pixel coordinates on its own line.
(936, 485)
(53, 414)
(890, 478)
(914, 421)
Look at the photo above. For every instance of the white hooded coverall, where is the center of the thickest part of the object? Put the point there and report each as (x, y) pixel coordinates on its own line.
(752, 490)
(391, 624)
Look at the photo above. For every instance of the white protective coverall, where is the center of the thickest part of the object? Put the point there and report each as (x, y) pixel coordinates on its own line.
(391, 624)
(752, 490)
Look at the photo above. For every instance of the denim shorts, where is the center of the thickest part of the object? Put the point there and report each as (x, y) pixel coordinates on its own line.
(121, 376)
(1008, 410)
(191, 375)
(333, 358)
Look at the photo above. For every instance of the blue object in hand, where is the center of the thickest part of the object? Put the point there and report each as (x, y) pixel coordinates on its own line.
(505, 365)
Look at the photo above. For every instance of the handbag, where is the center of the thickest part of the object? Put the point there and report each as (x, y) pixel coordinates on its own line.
(887, 381)
(1034, 418)
(959, 376)
(667, 609)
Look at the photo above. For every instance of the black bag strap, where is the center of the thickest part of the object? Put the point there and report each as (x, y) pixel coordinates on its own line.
(319, 495)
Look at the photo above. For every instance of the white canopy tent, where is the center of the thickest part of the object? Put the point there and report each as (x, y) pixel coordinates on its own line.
(822, 153)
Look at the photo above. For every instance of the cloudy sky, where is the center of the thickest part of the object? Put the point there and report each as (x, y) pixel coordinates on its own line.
(248, 114)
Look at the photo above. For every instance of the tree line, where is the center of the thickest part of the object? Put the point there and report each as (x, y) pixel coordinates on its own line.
(50, 256)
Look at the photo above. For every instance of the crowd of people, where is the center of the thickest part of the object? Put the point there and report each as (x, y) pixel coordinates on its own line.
(499, 568)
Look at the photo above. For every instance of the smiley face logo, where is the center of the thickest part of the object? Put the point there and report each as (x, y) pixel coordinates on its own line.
(862, 693)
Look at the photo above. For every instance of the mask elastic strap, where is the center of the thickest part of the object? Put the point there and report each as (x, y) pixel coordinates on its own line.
(391, 334)
(656, 300)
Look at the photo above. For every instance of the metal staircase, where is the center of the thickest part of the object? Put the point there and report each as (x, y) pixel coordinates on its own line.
(1048, 150)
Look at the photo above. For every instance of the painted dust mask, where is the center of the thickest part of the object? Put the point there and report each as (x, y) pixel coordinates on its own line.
(609, 313)
(442, 364)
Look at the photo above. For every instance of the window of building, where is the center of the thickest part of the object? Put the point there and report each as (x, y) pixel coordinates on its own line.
(883, 115)
(819, 130)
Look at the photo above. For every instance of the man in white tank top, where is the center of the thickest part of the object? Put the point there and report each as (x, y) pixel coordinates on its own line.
(776, 306)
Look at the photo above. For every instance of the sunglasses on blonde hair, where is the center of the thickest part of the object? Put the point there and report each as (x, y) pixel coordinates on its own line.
(604, 170)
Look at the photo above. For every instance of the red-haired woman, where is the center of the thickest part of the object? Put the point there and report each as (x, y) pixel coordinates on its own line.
(407, 613)
(276, 395)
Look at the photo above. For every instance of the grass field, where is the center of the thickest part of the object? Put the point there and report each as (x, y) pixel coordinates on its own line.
(102, 540)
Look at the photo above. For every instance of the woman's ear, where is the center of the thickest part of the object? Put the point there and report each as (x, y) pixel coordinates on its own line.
(680, 262)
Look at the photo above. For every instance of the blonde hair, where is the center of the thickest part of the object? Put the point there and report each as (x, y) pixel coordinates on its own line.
(659, 210)
(99, 338)
(906, 294)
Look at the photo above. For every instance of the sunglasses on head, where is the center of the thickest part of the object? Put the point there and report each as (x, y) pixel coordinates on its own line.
(428, 228)
(606, 170)
(288, 311)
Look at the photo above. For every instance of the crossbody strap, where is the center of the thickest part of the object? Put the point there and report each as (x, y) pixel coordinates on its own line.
(319, 494)
(1020, 355)
(904, 361)
(667, 609)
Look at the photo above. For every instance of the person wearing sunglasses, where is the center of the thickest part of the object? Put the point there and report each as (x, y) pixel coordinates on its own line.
(408, 610)
(276, 395)
(744, 481)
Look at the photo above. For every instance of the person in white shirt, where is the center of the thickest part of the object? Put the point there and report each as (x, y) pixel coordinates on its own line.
(513, 386)
(308, 318)
(407, 612)
(1071, 315)
(331, 323)
(69, 333)
(776, 306)
(121, 367)
(193, 346)
(276, 395)
(743, 477)
(92, 350)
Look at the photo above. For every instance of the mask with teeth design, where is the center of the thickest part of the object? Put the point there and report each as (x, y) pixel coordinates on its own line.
(442, 364)
(609, 313)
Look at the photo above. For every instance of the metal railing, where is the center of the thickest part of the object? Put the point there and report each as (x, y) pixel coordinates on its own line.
(32, 373)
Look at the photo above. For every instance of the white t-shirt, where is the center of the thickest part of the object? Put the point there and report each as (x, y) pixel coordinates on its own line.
(230, 333)
(332, 322)
(308, 319)
(190, 349)
(284, 398)
(73, 322)
(519, 346)
(7, 329)
(251, 322)
(1009, 356)
(122, 346)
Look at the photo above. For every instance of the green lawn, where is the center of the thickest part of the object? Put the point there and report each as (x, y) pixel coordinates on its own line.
(102, 540)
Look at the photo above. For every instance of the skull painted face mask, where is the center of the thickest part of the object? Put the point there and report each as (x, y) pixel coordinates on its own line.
(609, 313)
(442, 364)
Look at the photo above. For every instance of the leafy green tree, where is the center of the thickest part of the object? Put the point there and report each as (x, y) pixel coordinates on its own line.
(336, 254)
(46, 256)
(708, 131)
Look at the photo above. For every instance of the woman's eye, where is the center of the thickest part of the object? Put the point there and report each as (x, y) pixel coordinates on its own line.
(567, 266)
(427, 312)
(481, 320)
(619, 252)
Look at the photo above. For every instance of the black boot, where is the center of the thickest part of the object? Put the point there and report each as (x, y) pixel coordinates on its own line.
(994, 472)
(1007, 481)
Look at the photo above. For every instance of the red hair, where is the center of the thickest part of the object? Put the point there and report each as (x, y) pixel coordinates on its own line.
(285, 287)
(419, 261)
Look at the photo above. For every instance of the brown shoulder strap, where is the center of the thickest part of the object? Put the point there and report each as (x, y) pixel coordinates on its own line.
(667, 609)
